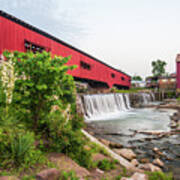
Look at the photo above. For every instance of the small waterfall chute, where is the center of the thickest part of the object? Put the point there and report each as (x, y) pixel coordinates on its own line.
(127, 100)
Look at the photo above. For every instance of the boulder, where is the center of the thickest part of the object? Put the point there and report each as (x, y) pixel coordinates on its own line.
(158, 162)
(149, 167)
(64, 163)
(99, 171)
(134, 162)
(174, 125)
(136, 176)
(9, 178)
(144, 160)
(126, 153)
(99, 157)
(115, 145)
(104, 141)
(155, 149)
(48, 174)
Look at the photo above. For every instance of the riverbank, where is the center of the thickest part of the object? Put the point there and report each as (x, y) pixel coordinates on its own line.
(148, 150)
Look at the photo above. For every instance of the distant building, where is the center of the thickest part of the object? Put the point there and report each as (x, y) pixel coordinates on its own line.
(137, 84)
(152, 82)
(167, 82)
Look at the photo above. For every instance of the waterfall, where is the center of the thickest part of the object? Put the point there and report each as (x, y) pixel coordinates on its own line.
(103, 105)
(147, 97)
(127, 99)
(153, 96)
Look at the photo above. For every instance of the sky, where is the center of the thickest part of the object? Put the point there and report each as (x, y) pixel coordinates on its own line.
(127, 34)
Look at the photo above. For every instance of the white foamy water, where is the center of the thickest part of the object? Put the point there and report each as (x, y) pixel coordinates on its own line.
(110, 106)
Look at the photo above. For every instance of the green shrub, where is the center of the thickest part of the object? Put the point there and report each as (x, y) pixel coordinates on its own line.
(17, 149)
(68, 176)
(106, 164)
(44, 96)
(118, 177)
(71, 143)
(171, 94)
(95, 148)
(2, 95)
(159, 176)
(28, 178)
(42, 82)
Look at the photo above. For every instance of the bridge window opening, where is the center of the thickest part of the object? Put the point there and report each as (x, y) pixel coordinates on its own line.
(112, 75)
(29, 46)
(85, 65)
(122, 78)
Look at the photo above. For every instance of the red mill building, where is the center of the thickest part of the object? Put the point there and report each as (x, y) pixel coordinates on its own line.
(178, 73)
(15, 34)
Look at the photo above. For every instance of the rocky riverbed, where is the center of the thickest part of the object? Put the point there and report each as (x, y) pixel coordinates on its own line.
(150, 146)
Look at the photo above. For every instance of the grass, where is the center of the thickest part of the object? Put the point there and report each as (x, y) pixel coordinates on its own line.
(107, 165)
(71, 175)
(132, 90)
(159, 176)
(95, 148)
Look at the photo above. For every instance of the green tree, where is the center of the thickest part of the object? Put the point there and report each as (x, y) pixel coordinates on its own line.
(137, 78)
(158, 67)
(42, 82)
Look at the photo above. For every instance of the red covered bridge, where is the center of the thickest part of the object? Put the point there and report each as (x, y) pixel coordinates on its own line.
(15, 34)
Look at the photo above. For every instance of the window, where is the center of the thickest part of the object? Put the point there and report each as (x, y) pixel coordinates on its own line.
(122, 78)
(164, 80)
(29, 46)
(112, 75)
(85, 65)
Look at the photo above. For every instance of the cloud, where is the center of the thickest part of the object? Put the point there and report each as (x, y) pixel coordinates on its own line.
(54, 16)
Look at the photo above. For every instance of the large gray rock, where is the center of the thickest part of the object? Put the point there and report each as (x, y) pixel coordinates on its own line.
(104, 141)
(158, 162)
(149, 167)
(115, 145)
(126, 153)
(144, 160)
(135, 162)
(48, 174)
(64, 163)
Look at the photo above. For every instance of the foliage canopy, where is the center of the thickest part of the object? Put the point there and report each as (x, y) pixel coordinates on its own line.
(158, 67)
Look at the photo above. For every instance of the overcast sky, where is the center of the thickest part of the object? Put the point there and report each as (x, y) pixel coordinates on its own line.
(127, 34)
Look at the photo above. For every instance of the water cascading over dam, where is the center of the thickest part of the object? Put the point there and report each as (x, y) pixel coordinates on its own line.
(103, 106)
(147, 97)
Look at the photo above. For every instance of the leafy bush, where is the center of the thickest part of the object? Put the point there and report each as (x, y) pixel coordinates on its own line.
(2, 95)
(106, 164)
(44, 96)
(95, 148)
(71, 143)
(118, 177)
(17, 148)
(159, 176)
(171, 94)
(68, 176)
(41, 83)
(28, 178)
